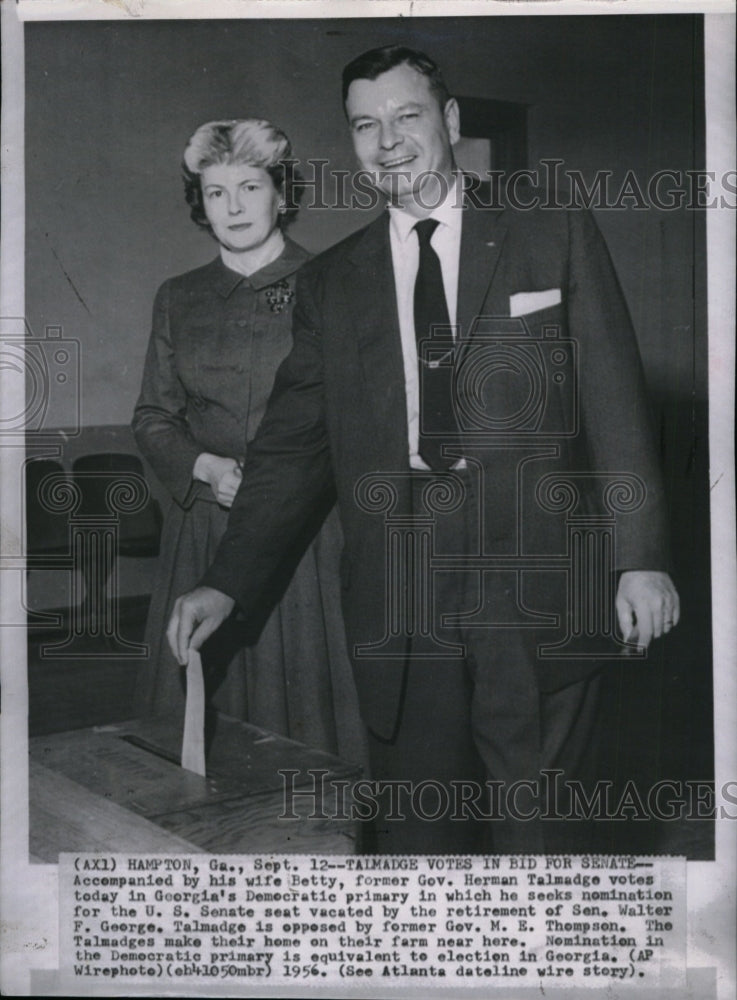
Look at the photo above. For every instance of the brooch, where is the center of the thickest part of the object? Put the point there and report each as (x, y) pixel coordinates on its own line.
(279, 295)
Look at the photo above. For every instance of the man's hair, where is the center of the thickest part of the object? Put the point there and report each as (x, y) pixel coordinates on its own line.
(373, 63)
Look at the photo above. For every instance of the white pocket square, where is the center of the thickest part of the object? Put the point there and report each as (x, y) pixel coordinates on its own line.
(529, 302)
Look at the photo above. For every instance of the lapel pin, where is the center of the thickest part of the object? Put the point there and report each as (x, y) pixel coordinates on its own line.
(491, 243)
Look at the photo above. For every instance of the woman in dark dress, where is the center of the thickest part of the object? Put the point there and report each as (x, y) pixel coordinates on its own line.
(219, 333)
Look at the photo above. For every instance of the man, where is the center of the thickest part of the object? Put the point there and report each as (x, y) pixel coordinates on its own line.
(361, 408)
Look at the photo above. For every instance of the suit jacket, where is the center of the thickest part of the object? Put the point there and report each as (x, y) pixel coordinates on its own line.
(338, 413)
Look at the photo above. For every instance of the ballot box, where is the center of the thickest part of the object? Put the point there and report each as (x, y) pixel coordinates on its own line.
(121, 788)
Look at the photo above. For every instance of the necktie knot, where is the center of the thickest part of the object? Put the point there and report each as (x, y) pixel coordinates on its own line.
(425, 229)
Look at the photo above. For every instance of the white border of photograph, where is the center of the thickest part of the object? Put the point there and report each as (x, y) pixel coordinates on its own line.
(29, 893)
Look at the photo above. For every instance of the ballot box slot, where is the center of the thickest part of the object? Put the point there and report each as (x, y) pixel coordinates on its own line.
(142, 744)
(252, 785)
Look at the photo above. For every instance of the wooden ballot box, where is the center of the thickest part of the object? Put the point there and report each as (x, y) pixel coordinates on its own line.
(121, 788)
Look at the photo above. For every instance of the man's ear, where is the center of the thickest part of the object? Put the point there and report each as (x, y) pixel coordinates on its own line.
(452, 116)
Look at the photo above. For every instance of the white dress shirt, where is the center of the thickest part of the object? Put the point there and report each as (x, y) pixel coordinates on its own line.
(405, 247)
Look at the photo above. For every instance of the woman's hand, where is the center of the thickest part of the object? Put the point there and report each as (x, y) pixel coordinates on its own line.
(222, 474)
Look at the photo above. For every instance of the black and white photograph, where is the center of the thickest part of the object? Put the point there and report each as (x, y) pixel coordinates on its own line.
(367, 500)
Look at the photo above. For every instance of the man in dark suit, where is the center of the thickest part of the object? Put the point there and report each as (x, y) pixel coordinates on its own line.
(465, 377)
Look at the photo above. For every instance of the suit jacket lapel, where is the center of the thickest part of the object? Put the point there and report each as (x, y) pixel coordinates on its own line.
(373, 307)
(482, 237)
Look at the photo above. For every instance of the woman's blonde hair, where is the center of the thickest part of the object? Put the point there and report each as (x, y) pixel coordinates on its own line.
(252, 141)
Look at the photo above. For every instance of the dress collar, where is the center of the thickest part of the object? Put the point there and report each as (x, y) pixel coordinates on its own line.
(292, 257)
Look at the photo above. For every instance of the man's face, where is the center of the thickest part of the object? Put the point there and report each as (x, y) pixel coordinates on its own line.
(401, 135)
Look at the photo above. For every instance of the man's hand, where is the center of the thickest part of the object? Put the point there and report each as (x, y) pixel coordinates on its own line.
(223, 475)
(194, 618)
(647, 606)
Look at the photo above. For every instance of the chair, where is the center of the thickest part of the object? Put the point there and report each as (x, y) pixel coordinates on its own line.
(47, 529)
(114, 515)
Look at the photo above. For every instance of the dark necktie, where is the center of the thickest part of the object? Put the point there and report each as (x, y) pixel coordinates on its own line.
(438, 424)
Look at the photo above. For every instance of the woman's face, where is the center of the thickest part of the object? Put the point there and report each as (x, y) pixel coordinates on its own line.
(241, 204)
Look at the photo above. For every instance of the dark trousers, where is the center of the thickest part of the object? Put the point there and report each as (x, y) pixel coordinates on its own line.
(480, 718)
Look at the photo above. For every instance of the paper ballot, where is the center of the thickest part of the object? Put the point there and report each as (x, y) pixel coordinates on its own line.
(193, 740)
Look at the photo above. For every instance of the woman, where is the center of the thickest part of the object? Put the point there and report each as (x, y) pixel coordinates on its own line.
(219, 334)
